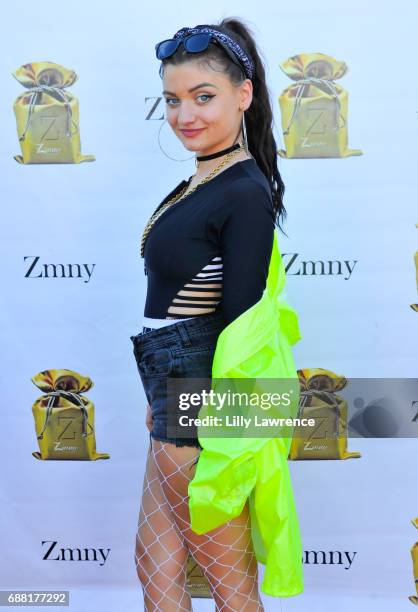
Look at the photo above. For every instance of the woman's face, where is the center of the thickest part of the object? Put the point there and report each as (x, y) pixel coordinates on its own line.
(203, 107)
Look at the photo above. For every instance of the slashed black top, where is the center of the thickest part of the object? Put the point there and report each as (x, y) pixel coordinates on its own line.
(211, 250)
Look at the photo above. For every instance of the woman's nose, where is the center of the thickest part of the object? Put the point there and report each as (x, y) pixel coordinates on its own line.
(186, 115)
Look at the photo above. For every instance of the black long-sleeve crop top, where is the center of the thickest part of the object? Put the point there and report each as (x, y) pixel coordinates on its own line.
(211, 250)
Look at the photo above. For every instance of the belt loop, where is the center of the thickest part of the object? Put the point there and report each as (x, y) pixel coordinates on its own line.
(184, 333)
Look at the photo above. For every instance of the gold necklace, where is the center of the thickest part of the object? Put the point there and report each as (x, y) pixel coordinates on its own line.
(178, 197)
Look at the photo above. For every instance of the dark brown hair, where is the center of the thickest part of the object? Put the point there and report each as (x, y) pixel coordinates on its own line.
(259, 115)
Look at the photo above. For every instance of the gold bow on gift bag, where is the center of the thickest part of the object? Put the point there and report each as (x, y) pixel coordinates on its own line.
(327, 439)
(314, 108)
(47, 116)
(64, 419)
(414, 554)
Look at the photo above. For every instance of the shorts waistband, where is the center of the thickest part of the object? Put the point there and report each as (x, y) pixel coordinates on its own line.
(183, 329)
(157, 323)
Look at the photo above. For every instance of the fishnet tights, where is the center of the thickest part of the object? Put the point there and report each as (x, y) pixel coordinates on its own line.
(164, 539)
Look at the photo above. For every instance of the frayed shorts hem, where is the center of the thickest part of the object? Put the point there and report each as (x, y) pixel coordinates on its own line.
(176, 441)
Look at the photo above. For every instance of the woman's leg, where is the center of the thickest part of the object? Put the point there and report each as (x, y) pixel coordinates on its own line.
(160, 551)
(226, 553)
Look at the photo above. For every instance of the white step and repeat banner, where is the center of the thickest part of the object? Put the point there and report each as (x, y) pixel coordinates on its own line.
(74, 287)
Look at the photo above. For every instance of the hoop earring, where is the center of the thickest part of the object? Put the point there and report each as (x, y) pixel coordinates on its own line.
(166, 154)
(244, 133)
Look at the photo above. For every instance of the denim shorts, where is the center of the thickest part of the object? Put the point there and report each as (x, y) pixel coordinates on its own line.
(184, 349)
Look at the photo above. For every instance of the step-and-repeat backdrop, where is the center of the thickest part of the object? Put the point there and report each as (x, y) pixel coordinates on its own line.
(81, 119)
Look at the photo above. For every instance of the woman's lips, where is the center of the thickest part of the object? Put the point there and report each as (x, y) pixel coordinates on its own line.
(190, 133)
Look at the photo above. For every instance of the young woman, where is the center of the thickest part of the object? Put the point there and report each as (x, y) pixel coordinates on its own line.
(207, 250)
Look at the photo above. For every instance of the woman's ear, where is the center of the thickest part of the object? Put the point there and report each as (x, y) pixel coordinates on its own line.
(246, 96)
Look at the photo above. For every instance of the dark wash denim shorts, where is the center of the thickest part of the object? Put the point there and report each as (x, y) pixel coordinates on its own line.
(184, 349)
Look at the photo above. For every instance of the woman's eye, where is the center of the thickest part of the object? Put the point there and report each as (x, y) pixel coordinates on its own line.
(168, 100)
(205, 96)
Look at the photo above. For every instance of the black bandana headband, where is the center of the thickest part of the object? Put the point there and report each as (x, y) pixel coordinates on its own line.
(236, 49)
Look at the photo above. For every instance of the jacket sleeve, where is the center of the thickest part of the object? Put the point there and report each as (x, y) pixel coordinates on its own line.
(246, 238)
(231, 470)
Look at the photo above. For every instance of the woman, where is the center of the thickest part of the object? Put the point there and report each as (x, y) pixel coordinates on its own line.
(207, 250)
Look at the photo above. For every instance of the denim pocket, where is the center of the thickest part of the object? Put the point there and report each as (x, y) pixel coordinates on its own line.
(155, 362)
(194, 362)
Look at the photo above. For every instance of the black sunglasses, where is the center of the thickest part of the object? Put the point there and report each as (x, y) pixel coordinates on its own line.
(194, 43)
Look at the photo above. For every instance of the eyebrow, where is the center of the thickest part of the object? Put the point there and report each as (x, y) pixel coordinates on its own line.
(193, 88)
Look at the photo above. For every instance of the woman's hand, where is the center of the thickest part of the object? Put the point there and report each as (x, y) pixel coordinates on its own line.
(148, 420)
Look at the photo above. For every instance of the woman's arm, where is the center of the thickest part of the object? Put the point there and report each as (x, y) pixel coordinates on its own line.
(246, 242)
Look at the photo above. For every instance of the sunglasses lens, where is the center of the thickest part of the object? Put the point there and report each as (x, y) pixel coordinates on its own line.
(166, 48)
(197, 42)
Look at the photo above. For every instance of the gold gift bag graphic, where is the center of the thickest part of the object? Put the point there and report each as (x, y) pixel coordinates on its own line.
(197, 584)
(414, 555)
(47, 116)
(314, 108)
(319, 401)
(64, 419)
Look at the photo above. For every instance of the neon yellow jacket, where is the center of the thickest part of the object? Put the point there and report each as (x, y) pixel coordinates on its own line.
(257, 344)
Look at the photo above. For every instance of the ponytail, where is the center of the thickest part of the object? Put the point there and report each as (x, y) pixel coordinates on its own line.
(259, 116)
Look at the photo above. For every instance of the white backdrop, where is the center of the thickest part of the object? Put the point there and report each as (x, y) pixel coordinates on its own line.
(360, 209)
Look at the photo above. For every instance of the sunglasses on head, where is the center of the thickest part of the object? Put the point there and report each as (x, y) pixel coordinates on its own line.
(194, 43)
